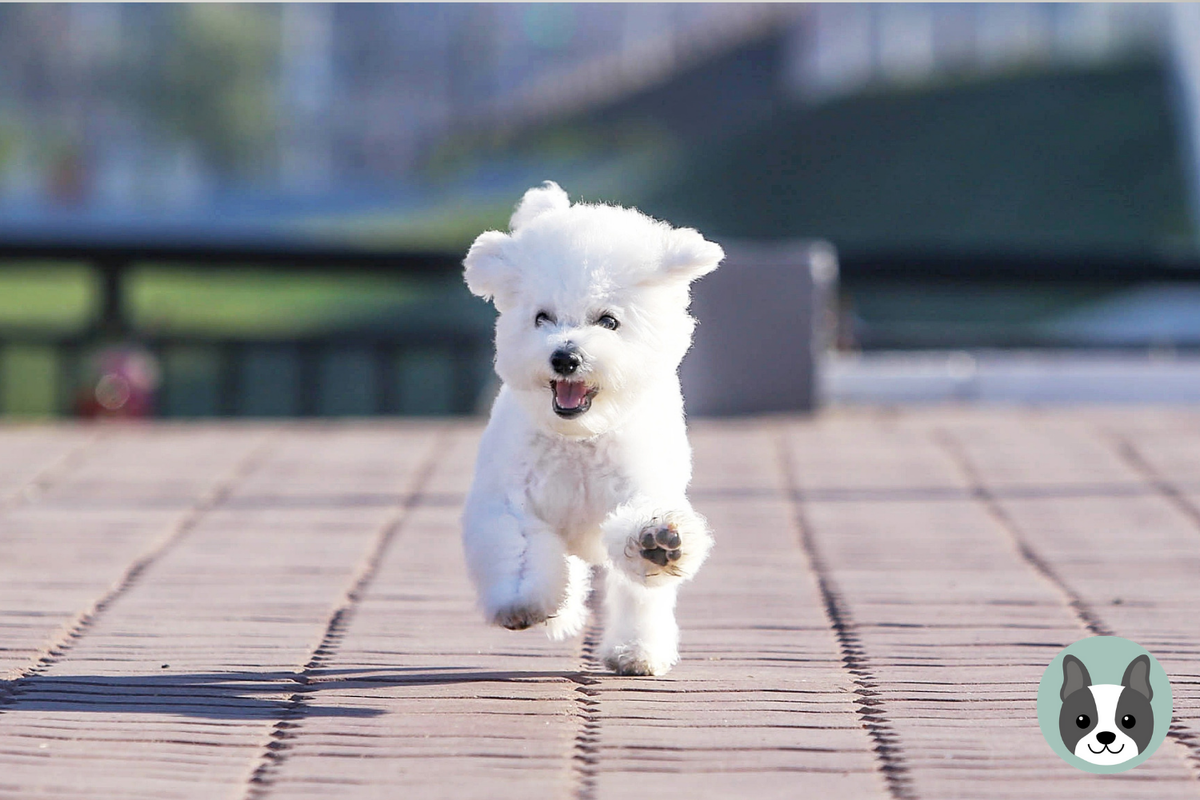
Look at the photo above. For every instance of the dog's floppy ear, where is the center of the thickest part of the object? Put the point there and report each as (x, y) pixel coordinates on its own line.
(488, 271)
(548, 197)
(1137, 676)
(1075, 677)
(687, 256)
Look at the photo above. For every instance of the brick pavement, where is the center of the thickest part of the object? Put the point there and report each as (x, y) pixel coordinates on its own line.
(273, 610)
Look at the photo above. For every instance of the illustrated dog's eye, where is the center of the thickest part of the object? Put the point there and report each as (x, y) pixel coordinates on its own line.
(1128, 721)
(1083, 720)
(608, 321)
(542, 318)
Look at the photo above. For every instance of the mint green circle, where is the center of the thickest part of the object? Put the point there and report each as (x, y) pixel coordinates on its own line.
(1106, 658)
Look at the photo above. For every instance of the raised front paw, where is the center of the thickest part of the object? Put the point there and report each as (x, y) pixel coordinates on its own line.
(666, 548)
(660, 544)
(656, 548)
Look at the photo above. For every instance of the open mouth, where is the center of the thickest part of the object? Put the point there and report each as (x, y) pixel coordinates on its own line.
(1104, 748)
(571, 398)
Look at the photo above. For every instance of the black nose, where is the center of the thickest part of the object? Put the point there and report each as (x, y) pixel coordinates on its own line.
(1106, 737)
(565, 361)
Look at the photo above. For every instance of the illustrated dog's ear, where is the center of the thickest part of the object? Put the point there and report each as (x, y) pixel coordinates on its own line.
(686, 257)
(547, 197)
(1075, 677)
(1137, 676)
(488, 271)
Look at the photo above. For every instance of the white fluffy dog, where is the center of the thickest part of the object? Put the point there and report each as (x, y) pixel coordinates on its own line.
(585, 460)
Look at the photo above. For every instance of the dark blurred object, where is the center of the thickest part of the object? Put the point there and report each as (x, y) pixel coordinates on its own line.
(1058, 162)
(765, 317)
(1100, 299)
(68, 180)
(119, 381)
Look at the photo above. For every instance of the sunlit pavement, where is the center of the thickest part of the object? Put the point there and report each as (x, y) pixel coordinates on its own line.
(281, 610)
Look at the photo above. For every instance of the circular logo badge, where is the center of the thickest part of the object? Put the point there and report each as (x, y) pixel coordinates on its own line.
(1104, 704)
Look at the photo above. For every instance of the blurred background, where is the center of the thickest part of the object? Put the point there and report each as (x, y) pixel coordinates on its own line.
(254, 210)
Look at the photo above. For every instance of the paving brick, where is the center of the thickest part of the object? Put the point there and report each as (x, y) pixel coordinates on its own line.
(271, 611)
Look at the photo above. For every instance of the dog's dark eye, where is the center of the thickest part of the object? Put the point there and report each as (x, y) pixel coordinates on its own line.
(542, 318)
(1128, 721)
(608, 321)
(1083, 720)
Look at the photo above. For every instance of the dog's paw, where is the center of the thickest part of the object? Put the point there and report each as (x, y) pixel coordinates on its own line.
(659, 543)
(634, 660)
(518, 618)
(661, 548)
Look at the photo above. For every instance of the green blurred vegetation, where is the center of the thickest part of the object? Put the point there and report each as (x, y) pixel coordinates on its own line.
(259, 303)
(215, 83)
(48, 297)
(243, 302)
(448, 227)
(28, 380)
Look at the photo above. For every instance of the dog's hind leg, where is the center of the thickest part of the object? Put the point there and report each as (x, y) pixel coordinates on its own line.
(519, 567)
(640, 633)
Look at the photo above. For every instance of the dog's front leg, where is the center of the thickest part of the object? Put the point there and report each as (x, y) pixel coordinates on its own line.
(651, 552)
(518, 564)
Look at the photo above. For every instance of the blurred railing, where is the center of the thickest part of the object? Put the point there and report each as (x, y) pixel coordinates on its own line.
(378, 365)
(945, 299)
(464, 348)
(1015, 266)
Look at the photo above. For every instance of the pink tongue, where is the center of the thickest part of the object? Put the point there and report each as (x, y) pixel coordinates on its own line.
(570, 394)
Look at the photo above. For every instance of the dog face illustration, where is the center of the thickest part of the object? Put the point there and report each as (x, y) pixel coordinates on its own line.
(1106, 724)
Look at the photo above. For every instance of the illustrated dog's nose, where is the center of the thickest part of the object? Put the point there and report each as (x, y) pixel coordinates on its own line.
(565, 361)
(1106, 737)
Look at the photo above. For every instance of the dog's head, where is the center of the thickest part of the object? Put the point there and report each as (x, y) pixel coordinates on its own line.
(593, 306)
(1104, 723)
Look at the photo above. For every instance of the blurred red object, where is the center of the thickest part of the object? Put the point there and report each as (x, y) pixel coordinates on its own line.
(121, 381)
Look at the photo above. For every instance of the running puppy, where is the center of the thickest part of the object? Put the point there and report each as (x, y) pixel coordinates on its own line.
(585, 460)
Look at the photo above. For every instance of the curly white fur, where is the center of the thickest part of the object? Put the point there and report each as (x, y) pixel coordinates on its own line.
(554, 493)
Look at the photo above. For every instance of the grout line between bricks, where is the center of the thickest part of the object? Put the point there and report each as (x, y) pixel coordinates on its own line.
(885, 742)
(991, 503)
(1161, 485)
(1084, 614)
(286, 728)
(585, 752)
(78, 627)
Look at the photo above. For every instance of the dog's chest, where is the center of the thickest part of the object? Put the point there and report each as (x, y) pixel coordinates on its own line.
(573, 485)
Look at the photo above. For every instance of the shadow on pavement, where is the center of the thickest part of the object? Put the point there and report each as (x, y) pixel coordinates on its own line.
(236, 694)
